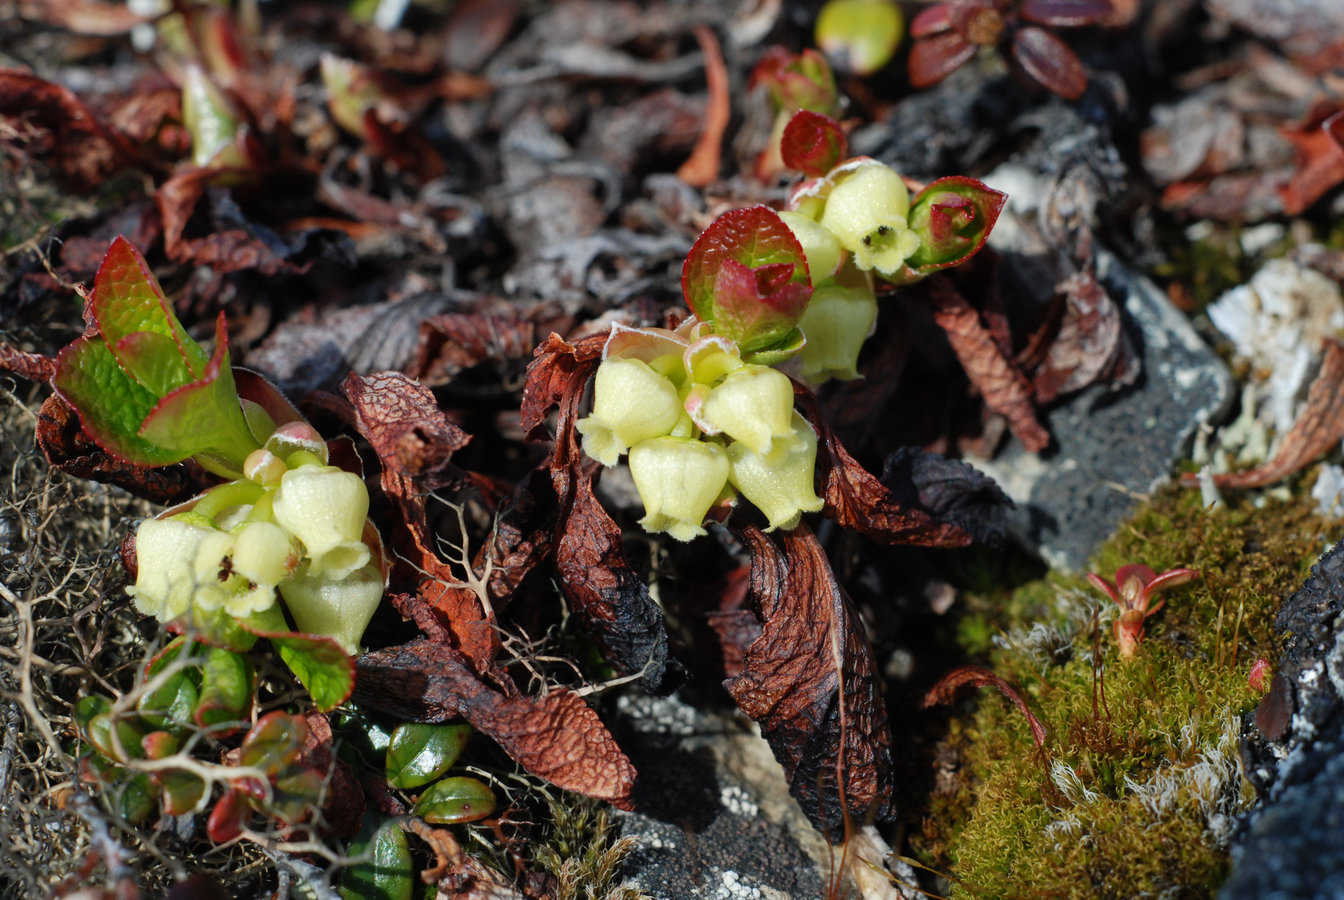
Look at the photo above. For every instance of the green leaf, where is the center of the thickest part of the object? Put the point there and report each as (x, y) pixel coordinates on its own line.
(172, 703)
(274, 742)
(388, 874)
(953, 217)
(294, 794)
(100, 735)
(453, 801)
(137, 798)
(127, 299)
(322, 667)
(181, 791)
(88, 707)
(226, 688)
(420, 753)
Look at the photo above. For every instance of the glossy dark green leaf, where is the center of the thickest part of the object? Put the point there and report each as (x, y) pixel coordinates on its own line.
(100, 735)
(420, 753)
(172, 703)
(453, 801)
(389, 873)
(137, 799)
(88, 707)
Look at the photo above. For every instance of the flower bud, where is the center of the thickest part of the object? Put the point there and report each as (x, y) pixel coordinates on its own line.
(819, 246)
(780, 484)
(754, 404)
(866, 210)
(165, 554)
(631, 403)
(836, 324)
(292, 437)
(338, 608)
(264, 467)
(325, 508)
(678, 480)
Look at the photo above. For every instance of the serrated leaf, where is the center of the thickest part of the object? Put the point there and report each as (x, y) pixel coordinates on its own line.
(110, 405)
(953, 217)
(747, 276)
(453, 801)
(274, 743)
(322, 667)
(420, 753)
(226, 688)
(813, 143)
(127, 299)
(388, 874)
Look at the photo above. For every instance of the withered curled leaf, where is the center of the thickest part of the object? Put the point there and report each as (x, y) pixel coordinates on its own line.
(556, 736)
(610, 599)
(810, 680)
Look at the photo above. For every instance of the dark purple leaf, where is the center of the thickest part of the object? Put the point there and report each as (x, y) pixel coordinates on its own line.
(1050, 62)
(1065, 13)
(934, 58)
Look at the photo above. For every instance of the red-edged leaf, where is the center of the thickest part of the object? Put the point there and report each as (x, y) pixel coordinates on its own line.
(1065, 13)
(610, 599)
(796, 81)
(934, 58)
(227, 818)
(1003, 387)
(813, 143)
(856, 499)
(110, 405)
(757, 311)
(274, 743)
(977, 676)
(556, 737)
(810, 680)
(1318, 429)
(415, 442)
(1049, 61)
(953, 217)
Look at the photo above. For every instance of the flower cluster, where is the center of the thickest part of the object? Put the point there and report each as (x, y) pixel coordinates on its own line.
(292, 524)
(700, 425)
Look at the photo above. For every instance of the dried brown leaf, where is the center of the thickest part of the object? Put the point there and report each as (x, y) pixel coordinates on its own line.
(48, 121)
(415, 443)
(556, 736)
(1319, 428)
(29, 366)
(856, 499)
(1090, 344)
(945, 691)
(703, 166)
(1004, 388)
(609, 597)
(810, 681)
(456, 341)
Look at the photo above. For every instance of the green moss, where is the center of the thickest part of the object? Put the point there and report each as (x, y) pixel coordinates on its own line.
(583, 851)
(1139, 780)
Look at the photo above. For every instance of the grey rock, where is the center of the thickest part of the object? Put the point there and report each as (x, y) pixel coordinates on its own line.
(1292, 845)
(1113, 446)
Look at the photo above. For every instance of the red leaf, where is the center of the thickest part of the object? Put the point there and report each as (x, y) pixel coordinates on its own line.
(813, 143)
(556, 737)
(856, 499)
(931, 20)
(755, 238)
(454, 342)
(1004, 388)
(703, 166)
(1065, 13)
(953, 217)
(1049, 61)
(611, 600)
(796, 81)
(1318, 429)
(934, 58)
(415, 442)
(810, 681)
(976, 676)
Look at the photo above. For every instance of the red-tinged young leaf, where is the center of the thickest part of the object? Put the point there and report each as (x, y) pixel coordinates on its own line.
(953, 217)
(454, 801)
(934, 58)
(856, 499)
(57, 126)
(110, 405)
(415, 442)
(556, 737)
(813, 143)
(756, 311)
(1050, 62)
(1003, 387)
(388, 873)
(158, 745)
(610, 599)
(797, 81)
(126, 300)
(180, 791)
(227, 818)
(419, 753)
(945, 691)
(810, 681)
(702, 168)
(1065, 13)
(1318, 428)
(324, 669)
(274, 743)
